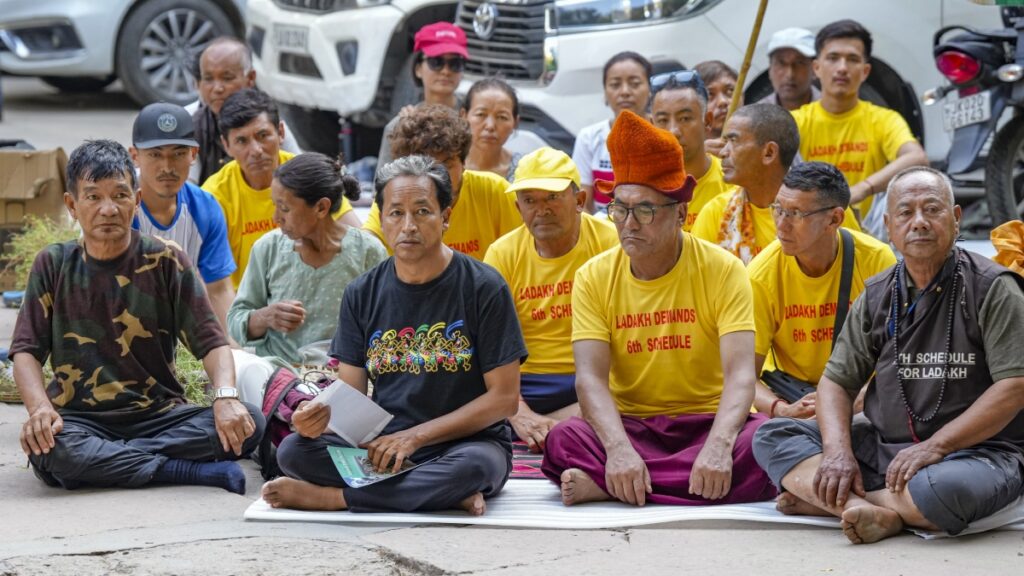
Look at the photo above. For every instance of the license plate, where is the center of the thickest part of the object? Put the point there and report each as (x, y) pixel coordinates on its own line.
(291, 38)
(966, 111)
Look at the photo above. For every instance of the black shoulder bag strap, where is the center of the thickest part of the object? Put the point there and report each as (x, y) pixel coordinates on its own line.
(843, 304)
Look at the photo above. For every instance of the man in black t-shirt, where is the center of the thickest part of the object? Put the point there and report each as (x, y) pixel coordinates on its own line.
(437, 332)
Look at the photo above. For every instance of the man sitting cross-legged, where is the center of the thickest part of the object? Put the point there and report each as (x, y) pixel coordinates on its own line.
(437, 332)
(539, 261)
(108, 310)
(942, 444)
(663, 338)
(796, 281)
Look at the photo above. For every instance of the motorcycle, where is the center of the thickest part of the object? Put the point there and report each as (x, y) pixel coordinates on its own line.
(986, 69)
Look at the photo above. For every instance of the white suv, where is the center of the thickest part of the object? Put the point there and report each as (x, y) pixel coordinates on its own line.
(326, 59)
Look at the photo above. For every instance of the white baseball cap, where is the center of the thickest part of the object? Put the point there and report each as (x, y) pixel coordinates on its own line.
(798, 39)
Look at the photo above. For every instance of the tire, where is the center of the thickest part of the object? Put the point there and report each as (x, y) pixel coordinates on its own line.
(78, 84)
(158, 44)
(1004, 179)
(406, 91)
(315, 130)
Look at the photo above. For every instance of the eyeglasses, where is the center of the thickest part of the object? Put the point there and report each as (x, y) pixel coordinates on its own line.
(644, 213)
(679, 79)
(781, 213)
(456, 65)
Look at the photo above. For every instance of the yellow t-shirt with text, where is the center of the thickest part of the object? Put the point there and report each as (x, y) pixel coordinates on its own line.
(859, 142)
(249, 213)
(542, 290)
(710, 220)
(664, 334)
(483, 213)
(709, 187)
(795, 313)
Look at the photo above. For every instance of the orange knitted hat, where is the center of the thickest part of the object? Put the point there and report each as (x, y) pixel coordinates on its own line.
(645, 155)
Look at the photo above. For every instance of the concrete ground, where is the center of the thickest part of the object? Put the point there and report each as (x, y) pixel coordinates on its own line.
(190, 530)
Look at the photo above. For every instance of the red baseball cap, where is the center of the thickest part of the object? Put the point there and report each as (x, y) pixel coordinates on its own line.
(441, 38)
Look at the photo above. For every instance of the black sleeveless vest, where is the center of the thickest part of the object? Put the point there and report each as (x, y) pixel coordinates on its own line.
(923, 358)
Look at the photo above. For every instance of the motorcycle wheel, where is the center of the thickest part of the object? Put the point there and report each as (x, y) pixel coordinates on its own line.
(1004, 172)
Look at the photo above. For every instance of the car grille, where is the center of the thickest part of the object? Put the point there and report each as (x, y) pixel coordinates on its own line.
(318, 6)
(515, 50)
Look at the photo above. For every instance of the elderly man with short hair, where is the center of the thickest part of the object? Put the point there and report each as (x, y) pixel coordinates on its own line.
(108, 310)
(663, 338)
(797, 282)
(436, 332)
(222, 68)
(539, 261)
(942, 444)
(761, 141)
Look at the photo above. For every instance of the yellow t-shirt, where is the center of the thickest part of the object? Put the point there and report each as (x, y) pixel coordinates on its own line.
(484, 213)
(664, 334)
(542, 290)
(249, 213)
(710, 220)
(795, 313)
(709, 186)
(859, 142)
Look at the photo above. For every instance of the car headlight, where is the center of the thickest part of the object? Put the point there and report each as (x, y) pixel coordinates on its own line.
(322, 6)
(576, 15)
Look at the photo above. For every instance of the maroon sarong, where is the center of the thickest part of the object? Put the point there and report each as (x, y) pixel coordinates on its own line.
(669, 445)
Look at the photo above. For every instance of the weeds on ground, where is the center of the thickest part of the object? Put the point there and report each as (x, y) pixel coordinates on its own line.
(20, 252)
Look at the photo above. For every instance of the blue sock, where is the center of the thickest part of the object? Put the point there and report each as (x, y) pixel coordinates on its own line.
(226, 474)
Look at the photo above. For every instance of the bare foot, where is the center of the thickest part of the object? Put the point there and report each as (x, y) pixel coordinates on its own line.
(790, 505)
(868, 523)
(301, 495)
(474, 504)
(578, 488)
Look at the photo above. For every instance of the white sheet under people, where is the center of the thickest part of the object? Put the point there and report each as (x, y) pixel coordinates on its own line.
(528, 503)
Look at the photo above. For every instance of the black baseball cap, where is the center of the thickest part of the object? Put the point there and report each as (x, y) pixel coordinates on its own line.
(161, 124)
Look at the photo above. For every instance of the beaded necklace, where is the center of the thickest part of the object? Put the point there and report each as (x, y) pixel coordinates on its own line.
(894, 327)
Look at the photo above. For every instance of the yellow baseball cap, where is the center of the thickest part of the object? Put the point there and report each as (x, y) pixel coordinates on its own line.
(545, 169)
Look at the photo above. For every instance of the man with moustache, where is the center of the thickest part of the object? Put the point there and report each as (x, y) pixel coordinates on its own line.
(163, 148)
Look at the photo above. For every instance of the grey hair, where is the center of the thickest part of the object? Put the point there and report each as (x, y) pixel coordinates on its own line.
(415, 166)
(941, 176)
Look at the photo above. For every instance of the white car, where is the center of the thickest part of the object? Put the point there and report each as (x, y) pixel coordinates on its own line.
(325, 59)
(150, 45)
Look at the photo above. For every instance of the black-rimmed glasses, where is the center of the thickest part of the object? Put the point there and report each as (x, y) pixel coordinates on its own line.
(644, 213)
(781, 213)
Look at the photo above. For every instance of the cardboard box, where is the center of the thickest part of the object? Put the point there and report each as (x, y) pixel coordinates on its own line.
(32, 182)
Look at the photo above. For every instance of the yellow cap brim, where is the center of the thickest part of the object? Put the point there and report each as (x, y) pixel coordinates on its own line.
(546, 184)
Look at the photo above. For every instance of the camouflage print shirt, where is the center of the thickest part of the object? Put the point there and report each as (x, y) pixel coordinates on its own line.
(110, 327)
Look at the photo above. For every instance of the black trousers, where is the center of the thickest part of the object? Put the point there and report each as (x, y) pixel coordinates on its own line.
(88, 453)
(461, 469)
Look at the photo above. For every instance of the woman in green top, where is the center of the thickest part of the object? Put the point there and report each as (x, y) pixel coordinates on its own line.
(291, 291)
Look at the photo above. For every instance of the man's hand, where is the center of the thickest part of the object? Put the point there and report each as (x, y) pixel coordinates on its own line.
(859, 192)
(284, 316)
(627, 477)
(836, 476)
(908, 461)
(37, 434)
(802, 408)
(310, 419)
(714, 146)
(711, 476)
(233, 423)
(392, 450)
(531, 427)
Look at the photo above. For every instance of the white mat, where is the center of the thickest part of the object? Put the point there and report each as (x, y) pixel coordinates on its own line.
(537, 504)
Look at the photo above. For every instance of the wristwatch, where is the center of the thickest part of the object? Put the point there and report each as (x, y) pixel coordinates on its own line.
(225, 392)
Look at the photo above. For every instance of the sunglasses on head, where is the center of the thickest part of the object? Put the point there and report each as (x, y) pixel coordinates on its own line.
(455, 64)
(679, 79)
